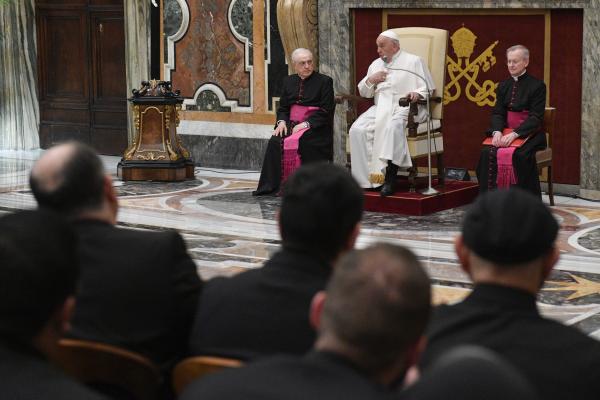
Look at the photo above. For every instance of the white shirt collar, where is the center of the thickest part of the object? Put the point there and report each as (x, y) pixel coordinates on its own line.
(516, 78)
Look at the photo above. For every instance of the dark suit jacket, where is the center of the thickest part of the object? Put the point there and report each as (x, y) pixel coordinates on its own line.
(26, 375)
(137, 289)
(316, 144)
(530, 95)
(260, 312)
(315, 376)
(560, 361)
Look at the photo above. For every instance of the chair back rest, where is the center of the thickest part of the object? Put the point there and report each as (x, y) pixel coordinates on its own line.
(193, 368)
(548, 124)
(102, 365)
(431, 45)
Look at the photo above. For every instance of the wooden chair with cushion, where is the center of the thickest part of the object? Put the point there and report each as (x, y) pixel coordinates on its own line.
(193, 368)
(109, 369)
(544, 157)
(431, 45)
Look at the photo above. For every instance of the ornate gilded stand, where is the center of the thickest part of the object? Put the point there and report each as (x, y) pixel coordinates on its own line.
(156, 152)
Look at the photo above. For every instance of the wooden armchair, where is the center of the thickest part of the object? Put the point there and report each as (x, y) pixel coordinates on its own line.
(544, 157)
(109, 368)
(193, 368)
(431, 45)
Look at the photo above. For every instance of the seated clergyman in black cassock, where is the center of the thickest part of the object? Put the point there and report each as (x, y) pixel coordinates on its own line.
(304, 128)
(517, 117)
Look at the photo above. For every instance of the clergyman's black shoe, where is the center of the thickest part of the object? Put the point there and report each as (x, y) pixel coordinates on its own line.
(388, 189)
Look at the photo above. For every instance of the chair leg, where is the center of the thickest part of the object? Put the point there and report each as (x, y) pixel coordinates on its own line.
(441, 170)
(550, 188)
(412, 176)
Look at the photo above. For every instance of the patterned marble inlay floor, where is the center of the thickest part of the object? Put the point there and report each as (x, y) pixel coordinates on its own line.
(227, 230)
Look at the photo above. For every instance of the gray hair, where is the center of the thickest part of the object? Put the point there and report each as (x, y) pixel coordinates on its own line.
(394, 41)
(297, 52)
(524, 49)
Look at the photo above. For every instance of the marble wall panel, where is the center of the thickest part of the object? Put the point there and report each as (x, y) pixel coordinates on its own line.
(137, 50)
(277, 68)
(19, 108)
(226, 152)
(335, 60)
(210, 53)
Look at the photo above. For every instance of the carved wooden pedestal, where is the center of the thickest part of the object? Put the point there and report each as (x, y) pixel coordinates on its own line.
(156, 153)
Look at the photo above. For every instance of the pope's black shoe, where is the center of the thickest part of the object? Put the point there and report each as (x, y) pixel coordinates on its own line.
(389, 186)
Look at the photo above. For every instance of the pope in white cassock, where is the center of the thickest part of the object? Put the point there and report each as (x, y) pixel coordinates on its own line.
(378, 145)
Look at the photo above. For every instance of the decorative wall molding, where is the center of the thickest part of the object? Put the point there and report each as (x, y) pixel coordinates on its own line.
(185, 23)
(233, 104)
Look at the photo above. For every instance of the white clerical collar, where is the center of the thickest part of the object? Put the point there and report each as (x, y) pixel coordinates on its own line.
(516, 78)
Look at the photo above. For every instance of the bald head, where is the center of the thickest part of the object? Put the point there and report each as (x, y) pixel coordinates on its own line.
(48, 171)
(377, 304)
(68, 178)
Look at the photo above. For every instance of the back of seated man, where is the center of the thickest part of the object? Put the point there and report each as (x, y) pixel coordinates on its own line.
(508, 249)
(138, 289)
(370, 321)
(265, 311)
(472, 373)
(38, 274)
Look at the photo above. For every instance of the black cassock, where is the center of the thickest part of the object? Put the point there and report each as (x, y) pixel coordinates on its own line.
(529, 94)
(316, 144)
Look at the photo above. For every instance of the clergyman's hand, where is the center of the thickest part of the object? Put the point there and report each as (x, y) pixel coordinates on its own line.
(496, 139)
(281, 129)
(508, 139)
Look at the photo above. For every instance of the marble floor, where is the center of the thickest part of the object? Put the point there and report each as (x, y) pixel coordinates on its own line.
(228, 231)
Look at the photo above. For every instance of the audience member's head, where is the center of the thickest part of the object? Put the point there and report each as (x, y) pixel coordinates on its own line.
(375, 310)
(472, 373)
(321, 210)
(508, 238)
(69, 178)
(38, 273)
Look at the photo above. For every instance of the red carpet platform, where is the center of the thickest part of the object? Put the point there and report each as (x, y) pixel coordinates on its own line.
(453, 194)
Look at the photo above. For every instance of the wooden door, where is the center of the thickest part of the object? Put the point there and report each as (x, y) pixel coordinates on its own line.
(108, 103)
(81, 73)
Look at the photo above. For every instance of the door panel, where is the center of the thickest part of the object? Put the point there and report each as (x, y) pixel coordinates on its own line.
(109, 89)
(81, 61)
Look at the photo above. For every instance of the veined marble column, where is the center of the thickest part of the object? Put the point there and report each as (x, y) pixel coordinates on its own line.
(19, 108)
(137, 49)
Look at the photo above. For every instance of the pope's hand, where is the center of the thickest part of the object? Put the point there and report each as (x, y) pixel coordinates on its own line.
(378, 77)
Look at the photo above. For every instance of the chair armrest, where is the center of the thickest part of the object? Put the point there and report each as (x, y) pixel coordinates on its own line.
(352, 102)
(403, 101)
(413, 111)
(350, 98)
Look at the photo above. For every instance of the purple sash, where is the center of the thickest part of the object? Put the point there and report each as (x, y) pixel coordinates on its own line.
(290, 160)
(506, 173)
